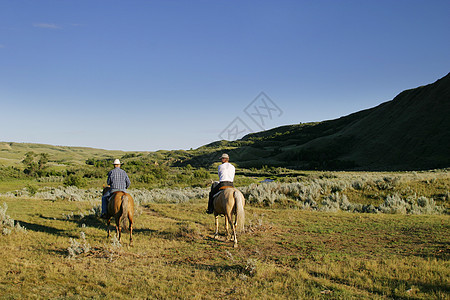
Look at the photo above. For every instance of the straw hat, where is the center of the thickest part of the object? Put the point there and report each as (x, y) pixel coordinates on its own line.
(117, 162)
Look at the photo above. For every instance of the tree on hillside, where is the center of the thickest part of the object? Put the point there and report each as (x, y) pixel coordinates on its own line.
(35, 164)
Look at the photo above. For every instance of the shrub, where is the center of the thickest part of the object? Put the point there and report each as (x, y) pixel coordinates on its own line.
(424, 205)
(7, 223)
(77, 247)
(358, 184)
(74, 180)
(50, 179)
(201, 173)
(336, 202)
(394, 204)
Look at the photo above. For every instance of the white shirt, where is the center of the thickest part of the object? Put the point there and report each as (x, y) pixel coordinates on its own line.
(226, 172)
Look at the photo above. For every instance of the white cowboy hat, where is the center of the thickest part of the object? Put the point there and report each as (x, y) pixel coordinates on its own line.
(225, 156)
(117, 162)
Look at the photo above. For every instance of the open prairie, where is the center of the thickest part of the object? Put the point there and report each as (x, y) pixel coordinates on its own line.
(63, 252)
(308, 234)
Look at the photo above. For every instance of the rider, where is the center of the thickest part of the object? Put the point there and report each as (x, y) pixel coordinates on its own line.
(118, 181)
(226, 177)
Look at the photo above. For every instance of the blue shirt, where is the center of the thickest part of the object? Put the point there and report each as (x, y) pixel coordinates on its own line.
(118, 179)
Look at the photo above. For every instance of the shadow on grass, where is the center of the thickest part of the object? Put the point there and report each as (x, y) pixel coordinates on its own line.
(45, 229)
(90, 221)
(219, 269)
(393, 285)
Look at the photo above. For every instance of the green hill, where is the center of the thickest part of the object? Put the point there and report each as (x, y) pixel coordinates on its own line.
(410, 132)
(407, 133)
(11, 154)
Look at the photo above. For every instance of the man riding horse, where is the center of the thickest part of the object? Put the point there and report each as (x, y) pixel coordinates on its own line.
(226, 176)
(118, 181)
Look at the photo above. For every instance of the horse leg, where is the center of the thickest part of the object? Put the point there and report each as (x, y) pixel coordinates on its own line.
(227, 221)
(216, 234)
(233, 228)
(107, 226)
(130, 219)
(234, 237)
(118, 229)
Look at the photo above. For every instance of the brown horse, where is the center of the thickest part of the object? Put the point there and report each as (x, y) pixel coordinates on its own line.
(230, 202)
(121, 207)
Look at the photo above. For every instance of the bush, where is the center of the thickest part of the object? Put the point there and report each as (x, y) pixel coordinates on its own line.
(77, 247)
(336, 202)
(394, 204)
(74, 180)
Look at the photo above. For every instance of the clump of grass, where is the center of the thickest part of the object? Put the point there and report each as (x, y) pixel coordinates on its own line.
(112, 250)
(245, 267)
(250, 267)
(395, 204)
(8, 224)
(336, 202)
(78, 247)
(96, 210)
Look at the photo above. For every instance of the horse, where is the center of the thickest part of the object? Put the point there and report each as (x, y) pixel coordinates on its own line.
(121, 207)
(230, 202)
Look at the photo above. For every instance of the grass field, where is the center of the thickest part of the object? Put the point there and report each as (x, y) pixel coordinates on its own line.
(284, 253)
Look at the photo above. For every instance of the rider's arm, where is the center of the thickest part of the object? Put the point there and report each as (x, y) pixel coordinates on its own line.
(127, 181)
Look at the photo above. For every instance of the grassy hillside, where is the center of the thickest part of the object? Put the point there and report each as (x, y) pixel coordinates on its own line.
(410, 132)
(12, 154)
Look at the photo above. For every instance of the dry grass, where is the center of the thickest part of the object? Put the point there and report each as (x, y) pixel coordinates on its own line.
(285, 253)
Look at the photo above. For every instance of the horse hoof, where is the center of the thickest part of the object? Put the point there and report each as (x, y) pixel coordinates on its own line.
(235, 245)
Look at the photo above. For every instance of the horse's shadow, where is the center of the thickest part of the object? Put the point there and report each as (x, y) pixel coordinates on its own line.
(91, 221)
(219, 269)
(145, 231)
(45, 229)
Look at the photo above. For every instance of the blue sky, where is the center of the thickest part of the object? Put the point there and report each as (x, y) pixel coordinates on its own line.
(150, 75)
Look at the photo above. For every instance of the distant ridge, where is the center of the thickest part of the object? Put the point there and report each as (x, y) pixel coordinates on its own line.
(410, 132)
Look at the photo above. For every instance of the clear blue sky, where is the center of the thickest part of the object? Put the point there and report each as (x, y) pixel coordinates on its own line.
(150, 75)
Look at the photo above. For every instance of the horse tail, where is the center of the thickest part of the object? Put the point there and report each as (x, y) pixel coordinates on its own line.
(124, 215)
(240, 214)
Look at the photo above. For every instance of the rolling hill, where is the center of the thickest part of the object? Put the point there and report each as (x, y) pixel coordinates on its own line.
(410, 132)
(11, 154)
